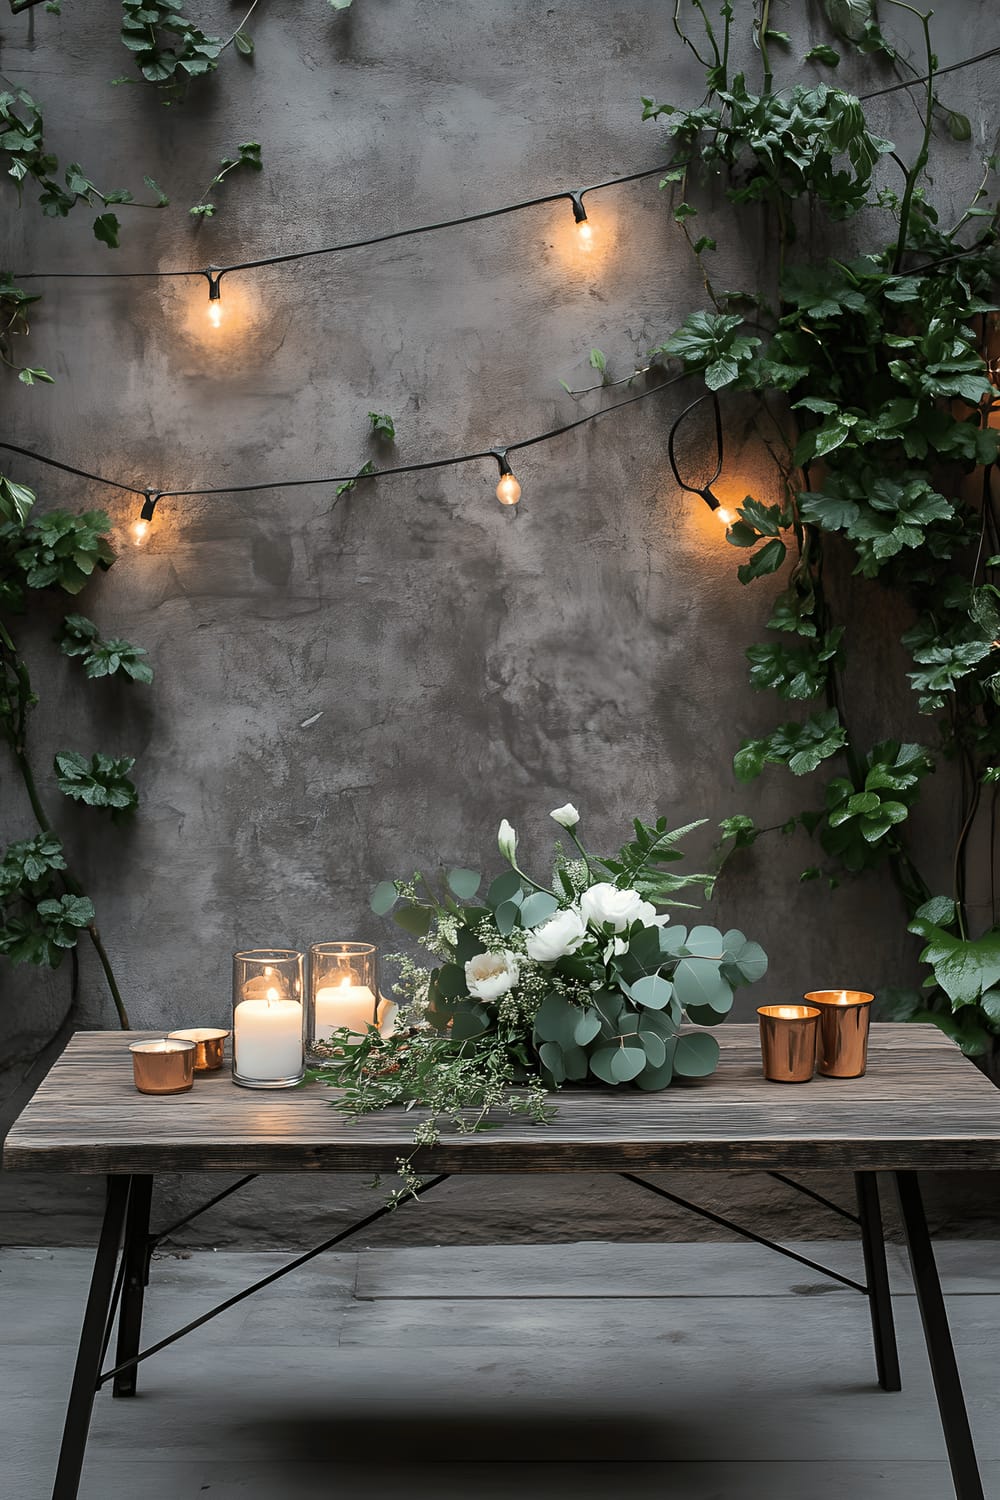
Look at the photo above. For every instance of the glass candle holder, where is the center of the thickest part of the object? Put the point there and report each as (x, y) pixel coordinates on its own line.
(163, 1067)
(844, 1017)
(343, 989)
(268, 1018)
(788, 1042)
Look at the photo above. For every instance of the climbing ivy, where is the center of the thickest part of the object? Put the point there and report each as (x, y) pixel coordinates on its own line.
(44, 910)
(873, 395)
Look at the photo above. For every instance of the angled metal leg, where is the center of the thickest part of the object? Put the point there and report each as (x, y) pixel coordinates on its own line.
(93, 1338)
(138, 1248)
(877, 1281)
(937, 1336)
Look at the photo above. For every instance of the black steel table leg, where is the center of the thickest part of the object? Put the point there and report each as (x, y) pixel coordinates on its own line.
(937, 1336)
(877, 1281)
(92, 1342)
(137, 1252)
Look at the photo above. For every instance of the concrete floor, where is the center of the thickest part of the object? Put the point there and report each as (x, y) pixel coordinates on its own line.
(585, 1372)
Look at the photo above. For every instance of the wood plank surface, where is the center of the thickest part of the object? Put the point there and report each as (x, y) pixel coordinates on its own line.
(921, 1105)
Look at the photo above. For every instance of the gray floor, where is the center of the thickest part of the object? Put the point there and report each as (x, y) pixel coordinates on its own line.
(591, 1371)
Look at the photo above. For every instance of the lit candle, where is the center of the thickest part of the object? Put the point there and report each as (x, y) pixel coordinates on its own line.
(344, 1004)
(267, 1036)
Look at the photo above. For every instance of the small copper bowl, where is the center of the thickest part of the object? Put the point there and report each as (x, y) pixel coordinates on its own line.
(165, 1066)
(210, 1044)
(788, 1042)
(843, 1031)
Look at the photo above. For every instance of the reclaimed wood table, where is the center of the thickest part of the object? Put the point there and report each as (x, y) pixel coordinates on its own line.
(920, 1106)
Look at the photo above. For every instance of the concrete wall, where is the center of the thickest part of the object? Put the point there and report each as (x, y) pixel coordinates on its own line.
(465, 663)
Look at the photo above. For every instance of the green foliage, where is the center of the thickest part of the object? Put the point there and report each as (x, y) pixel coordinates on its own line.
(382, 426)
(80, 637)
(249, 157)
(713, 343)
(57, 550)
(23, 148)
(876, 356)
(38, 921)
(101, 781)
(168, 49)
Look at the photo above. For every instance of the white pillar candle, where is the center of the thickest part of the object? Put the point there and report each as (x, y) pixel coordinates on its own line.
(267, 1039)
(343, 1004)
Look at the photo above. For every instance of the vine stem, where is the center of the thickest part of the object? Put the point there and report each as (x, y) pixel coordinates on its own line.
(69, 880)
(230, 40)
(924, 152)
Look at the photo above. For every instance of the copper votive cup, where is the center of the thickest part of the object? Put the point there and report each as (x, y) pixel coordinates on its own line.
(210, 1043)
(844, 1017)
(163, 1067)
(788, 1042)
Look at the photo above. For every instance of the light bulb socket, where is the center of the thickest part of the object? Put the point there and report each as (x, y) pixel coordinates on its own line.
(500, 454)
(149, 504)
(579, 212)
(711, 500)
(214, 277)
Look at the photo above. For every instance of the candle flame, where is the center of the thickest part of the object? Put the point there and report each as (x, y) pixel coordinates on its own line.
(345, 982)
(273, 994)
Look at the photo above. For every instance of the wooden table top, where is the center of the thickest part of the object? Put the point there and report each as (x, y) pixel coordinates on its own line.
(920, 1105)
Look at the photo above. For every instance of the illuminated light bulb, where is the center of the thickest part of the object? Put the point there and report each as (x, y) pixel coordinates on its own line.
(725, 516)
(215, 312)
(508, 490)
(586, 233)
(139, 532)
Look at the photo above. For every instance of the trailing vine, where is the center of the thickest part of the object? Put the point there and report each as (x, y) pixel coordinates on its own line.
(874, 397)
(44, 910)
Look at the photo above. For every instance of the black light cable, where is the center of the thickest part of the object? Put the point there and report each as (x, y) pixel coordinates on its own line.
(508, 489)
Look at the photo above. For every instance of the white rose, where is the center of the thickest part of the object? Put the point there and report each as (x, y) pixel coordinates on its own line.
(507, 840)
(566, 816)
(560, 935)
(615, 949)
(604, 905)
(490, 975)
(650, 917)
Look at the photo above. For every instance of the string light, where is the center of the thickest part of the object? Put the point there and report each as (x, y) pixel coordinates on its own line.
(214, 275)
(508, 490)
(508, 481)
(584, 228)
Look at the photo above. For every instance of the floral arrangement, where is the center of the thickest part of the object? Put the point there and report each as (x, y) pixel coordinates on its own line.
(537, 986)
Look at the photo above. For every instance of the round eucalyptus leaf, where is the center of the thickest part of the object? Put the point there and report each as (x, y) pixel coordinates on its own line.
(556, 1020)
(655, 1048)
(505, 917)
(653, 1079)
(383, 897)
(588, 1026)
(697, 981)
(551, 1055)
(537, 908)
(746, 962)
(464, 883)
(696, 1055)
(672, 939)
(705, 942)
(576, 1062)
(506, 887)
(652, 991)
(600, 1063)
(627, 1063)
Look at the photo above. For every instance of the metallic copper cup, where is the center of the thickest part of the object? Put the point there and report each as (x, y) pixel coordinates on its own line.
(844, 1017)
(163, 1067)
(210, 1044)
(788, 1042)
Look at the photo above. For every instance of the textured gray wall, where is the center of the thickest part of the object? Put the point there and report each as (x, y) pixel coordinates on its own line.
(467, 664)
